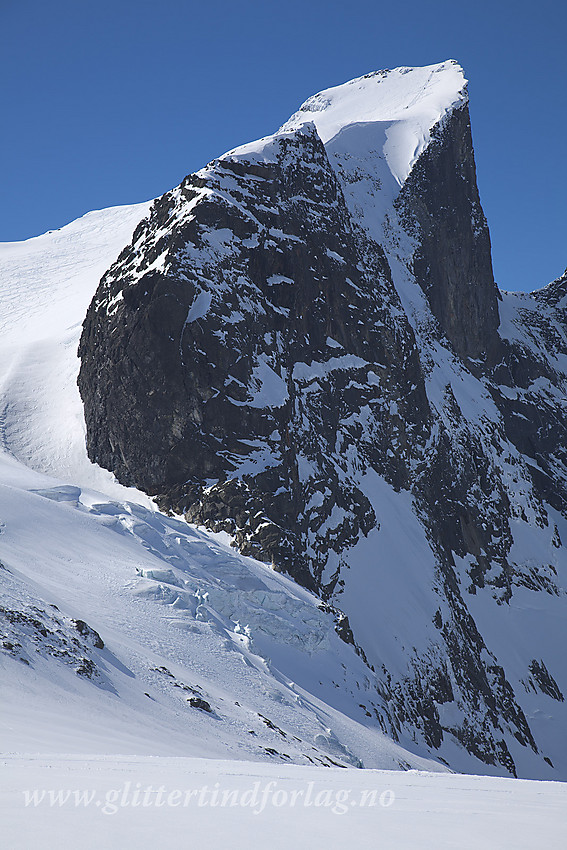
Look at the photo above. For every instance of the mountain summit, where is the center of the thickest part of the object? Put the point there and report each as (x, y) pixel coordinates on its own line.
(392, 114)
(304, 347)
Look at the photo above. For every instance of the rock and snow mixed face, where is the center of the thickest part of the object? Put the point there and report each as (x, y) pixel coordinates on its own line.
(299, 347)
(124, 630)
(396, 109)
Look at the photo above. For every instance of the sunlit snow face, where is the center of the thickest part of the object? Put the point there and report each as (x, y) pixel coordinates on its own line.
(406, 102)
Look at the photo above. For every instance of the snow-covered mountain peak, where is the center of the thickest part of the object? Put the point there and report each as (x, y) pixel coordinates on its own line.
(405, 102)
(385, 115)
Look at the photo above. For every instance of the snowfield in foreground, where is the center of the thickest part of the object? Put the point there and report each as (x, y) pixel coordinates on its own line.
(136, 803)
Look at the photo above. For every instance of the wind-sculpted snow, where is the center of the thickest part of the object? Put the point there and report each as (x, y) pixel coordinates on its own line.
(394, 110)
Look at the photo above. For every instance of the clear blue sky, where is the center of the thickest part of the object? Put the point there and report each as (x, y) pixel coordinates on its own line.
(109, 103)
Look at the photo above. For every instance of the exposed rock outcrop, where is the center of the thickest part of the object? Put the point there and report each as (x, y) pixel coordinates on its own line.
(453, 263)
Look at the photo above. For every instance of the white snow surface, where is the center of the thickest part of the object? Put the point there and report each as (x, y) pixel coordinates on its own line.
(134, 803)
(46, 285)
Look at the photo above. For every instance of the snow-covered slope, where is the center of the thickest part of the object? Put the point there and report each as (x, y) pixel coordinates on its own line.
(167, 602)
(374, 129)
(46, 286)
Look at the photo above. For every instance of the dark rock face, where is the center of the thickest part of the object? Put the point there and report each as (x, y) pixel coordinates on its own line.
(254, 360)
(453, 264)
(202, 704)
(528, 386)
